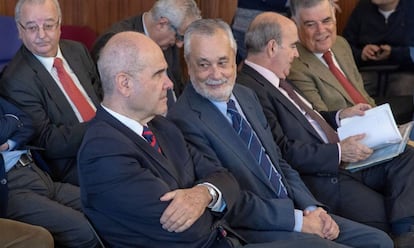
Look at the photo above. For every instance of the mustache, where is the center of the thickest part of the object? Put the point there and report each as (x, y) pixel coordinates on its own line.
(215, 82)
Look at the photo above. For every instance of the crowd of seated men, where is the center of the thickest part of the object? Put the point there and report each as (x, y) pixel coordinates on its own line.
(109, 147)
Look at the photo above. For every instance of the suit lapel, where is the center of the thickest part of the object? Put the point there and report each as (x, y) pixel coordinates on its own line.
(320, 70)
(43, 77)
(214, 121)
(76, 62)
(268, 87)
(140, 143)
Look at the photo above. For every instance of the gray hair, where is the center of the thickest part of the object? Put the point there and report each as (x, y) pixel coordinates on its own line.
(296, 5)
(19, 4)
(176, 11)
(258, 35)
(120, 55)
(206, 27)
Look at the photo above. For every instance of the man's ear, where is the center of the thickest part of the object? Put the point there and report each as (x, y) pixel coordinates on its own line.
(162, 22)
(123, 84)
(271, 47)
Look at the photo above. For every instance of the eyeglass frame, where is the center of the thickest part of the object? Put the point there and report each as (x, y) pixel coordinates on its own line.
(46, 27)
(178, 37)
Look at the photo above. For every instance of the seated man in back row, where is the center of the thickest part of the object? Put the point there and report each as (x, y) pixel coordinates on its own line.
(378, 196)
(226, 123)
(55, 82)
(325, 71)
(165, 23)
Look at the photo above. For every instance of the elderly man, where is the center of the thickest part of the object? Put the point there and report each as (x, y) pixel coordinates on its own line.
(379, 196)
(165, 23)
(325, 71)
(141, 184)
(53, 81)
(226, 123)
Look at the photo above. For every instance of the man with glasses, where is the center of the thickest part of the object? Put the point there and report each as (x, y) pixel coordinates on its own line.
(55, 82)
(165, 23)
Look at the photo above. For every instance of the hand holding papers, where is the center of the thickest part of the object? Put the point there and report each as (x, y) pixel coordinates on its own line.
(382, 135)
(377, 124)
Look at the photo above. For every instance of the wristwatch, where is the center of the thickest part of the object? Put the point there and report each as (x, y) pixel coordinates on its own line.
(214, 195)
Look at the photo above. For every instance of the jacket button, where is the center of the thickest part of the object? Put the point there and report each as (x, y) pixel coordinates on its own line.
(334, 180)
(3, 181)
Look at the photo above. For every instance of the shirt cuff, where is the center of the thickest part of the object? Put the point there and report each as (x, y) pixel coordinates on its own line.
(298, 220)
(12, 144)
(220, 204)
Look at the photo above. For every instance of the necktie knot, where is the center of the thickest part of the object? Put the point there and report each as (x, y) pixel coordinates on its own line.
(58, 63)
(327, 56)
(150, 138)
(231, 107)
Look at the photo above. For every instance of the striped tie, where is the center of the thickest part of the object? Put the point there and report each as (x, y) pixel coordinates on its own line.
(246, 133)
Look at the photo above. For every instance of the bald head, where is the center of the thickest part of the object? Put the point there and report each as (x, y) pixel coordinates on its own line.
(125, 52)
(134, 76)
(266, 27)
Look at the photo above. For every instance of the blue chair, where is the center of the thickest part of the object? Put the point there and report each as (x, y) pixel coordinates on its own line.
(9, 41)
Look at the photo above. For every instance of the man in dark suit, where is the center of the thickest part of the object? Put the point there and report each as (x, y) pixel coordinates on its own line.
(377, 196)
(165, 23)
(281, 209)
(141, 184)
(28, 194)
(33, 83)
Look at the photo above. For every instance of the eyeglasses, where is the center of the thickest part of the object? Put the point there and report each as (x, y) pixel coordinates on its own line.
(34, 28)
(178, 37)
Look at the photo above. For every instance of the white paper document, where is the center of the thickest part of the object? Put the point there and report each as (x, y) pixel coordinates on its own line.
(377, 124)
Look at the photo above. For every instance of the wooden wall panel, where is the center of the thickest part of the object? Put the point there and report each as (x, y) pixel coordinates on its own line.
(100, 14)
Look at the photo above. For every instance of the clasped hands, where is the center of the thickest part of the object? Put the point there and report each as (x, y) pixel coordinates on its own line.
(375, 52)
(352, 150)
(319, 222)
(186, 206)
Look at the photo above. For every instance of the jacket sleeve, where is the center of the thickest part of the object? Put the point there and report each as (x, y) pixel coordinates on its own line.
(15, 125)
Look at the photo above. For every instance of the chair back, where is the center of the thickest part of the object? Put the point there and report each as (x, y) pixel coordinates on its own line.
(9, 42)
(82, 34)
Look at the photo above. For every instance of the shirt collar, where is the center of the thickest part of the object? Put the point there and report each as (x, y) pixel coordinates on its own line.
(266, 73)
(47, 62)
(130, 123)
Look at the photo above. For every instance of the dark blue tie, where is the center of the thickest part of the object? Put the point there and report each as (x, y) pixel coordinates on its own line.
(247, 134)
(150, 137)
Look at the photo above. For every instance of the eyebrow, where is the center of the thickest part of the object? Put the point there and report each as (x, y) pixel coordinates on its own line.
(160, 71)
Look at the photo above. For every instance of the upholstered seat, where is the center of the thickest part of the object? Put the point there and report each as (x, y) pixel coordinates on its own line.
(9, 42)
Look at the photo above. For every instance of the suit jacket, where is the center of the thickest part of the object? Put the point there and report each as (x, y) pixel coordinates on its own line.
(172, 54)
(30, 86)
(122, 178)
(319, 85)
(317, 162)
(18, 130)
(258, 213)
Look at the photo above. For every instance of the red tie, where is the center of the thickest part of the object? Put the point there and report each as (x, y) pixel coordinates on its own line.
(79, 100)
(349, 88)
(150, 137)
